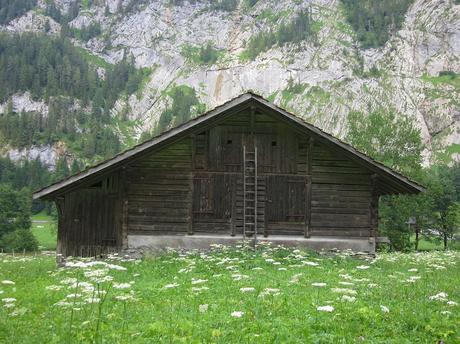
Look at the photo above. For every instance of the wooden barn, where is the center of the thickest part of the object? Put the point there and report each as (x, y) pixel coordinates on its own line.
(246, 169)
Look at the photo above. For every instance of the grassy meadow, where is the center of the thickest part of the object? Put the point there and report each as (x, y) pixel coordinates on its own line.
(232, 295)
(44, 229)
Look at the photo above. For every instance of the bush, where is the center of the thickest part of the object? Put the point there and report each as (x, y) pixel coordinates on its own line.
(19, 240)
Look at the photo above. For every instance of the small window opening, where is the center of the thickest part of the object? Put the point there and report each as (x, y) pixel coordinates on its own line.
(229, 142)
(273, 143)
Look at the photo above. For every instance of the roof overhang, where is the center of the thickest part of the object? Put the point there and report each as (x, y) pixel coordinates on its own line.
(397, 182)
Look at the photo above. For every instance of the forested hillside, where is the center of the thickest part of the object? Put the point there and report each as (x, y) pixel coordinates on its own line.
(82, 80)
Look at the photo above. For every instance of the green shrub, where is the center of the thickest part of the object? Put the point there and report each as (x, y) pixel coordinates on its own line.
(205, 55)
(19, 240)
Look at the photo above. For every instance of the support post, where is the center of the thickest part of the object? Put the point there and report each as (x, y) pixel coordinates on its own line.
(124, 207)
(60, 231)
(374, 208)
(190, 187)
(308, 188)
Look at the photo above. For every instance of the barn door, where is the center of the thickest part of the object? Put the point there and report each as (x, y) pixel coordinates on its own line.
(212, 202)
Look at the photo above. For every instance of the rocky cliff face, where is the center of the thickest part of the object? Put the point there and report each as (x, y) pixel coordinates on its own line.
(332, 74)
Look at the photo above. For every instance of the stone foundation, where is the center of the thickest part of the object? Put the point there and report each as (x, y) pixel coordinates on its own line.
(158, 243)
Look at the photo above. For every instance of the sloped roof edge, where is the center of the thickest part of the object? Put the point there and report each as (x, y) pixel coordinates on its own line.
(48, 191)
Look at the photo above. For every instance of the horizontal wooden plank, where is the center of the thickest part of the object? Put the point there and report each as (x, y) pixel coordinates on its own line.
(339, 232)
(349, 205)
(341, 187)
(163, 228)
(139, 187)
(336, 169)
(134, 219)
(331, 211)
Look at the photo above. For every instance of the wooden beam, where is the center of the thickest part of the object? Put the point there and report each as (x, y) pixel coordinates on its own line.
(374, 204)
(308, 188)
(190, 188)
(60, 232)
(124, 207)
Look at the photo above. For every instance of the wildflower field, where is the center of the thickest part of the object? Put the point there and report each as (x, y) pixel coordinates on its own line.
(232, 295)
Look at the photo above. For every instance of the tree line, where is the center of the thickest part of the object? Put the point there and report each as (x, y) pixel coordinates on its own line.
(300, 28)
(392, 139)
(375, 21)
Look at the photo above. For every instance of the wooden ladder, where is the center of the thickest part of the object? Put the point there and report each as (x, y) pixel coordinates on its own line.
(250, 193)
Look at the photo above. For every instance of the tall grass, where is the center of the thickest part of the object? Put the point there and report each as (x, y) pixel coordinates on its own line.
(232, 295)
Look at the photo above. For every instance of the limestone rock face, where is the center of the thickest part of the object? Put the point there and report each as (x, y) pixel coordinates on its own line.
(155, 33)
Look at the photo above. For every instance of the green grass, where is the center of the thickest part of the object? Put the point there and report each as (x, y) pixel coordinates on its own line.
(448, 78)
(93, 59)
(45, 232)
(205, 289)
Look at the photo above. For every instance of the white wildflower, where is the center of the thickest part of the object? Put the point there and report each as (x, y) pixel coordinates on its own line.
(122, 285)
(247, 289)
(346, 276)
(239, 277)
(344, 291)
(452, 303)
(325, 308)
(310, 263)
(439, 297)
(53, 287)
(237, 314)
(126, 297)
(63, 303)
(199, 289)
(69, 280)
(198, 281)
(73, 296)
(8, 305)
(319, 284)
(102, 279)
(8, 282)
(413, 270)
(363, 267)
(92, 300)
(295, 278)
(348, 298)
(384, 309)
(116, 267)
(257, 268)
(446, 312)
(169, 286)
(203, 308)
(95, 273)
(346, 283)
(9, 300)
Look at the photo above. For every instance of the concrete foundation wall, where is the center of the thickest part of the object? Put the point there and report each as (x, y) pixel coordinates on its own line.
(203, 242)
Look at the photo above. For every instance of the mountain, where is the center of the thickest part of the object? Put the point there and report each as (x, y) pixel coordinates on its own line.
(93, 77)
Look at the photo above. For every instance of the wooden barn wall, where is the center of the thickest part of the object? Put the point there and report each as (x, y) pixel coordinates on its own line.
(196, 184)
(158, 191)
(341, 195)
(89, 219)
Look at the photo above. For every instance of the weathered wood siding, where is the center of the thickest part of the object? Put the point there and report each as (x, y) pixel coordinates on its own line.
(195, 185)
(158, 191)
(341, 195)
(89, 221)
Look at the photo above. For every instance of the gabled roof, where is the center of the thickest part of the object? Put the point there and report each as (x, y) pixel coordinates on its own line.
(399, 183)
